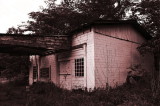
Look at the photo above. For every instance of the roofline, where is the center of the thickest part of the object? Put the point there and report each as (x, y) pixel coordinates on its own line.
(134, 23)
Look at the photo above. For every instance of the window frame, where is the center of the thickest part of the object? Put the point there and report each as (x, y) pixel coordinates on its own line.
(48, 73)
(35, 72)
(79, 67)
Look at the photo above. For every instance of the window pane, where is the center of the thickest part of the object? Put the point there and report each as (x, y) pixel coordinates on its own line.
(79, 67)
(44, 73)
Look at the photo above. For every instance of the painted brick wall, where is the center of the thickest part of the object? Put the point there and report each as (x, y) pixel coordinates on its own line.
(113, 56)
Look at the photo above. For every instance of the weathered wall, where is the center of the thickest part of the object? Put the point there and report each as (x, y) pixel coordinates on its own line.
(126, 32)
(34, 59)
(87, 38)
(66, 63)
(115, 51)
(87, 52)
(107, 51)
(49, 62)
(62, 64)
(43, 62)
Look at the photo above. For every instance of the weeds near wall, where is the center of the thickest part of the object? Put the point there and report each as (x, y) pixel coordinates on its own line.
(47, 94)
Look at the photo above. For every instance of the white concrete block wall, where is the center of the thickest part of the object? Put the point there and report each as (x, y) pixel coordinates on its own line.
(70, 81)
(87, 52)
(120, 31)
(113, 56)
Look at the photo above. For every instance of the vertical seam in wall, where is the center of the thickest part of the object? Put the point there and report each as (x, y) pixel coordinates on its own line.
(94, 57)
(85, 50)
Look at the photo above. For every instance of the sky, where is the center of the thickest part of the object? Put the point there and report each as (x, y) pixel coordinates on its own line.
(14, 12)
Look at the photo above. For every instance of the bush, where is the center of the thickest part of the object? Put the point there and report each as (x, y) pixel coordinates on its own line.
(20, 80)
(47, 94)
(45, 88)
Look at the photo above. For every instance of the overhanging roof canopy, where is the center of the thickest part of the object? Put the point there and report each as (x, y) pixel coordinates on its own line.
(32, 44)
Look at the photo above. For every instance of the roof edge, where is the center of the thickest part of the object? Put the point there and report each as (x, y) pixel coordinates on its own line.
(134, 23)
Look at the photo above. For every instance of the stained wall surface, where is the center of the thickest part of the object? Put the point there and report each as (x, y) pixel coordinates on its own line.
(107, 52)
(49, 62)
(62, 65)
(115, 51)
(67, 60)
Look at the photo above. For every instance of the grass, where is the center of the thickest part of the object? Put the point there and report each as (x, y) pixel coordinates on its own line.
(47, 94)
(43, 94)
(12, 95)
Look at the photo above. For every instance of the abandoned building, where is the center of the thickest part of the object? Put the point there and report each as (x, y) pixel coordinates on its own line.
(94, 55)
(98, 55)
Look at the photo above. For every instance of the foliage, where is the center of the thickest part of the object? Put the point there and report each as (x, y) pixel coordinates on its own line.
(14, 30)
(124, 95)
(135, 74)
(44, 88)
(47, 94)
(12, 95)
(12, 66)
(147, 13)
(60, 19)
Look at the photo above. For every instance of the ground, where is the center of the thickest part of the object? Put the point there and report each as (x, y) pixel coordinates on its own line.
(11, 95)
(47, 94)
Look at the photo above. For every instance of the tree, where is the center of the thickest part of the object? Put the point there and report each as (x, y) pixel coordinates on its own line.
(13, 65)
(151, 10)
(147, 13)
(60, 19)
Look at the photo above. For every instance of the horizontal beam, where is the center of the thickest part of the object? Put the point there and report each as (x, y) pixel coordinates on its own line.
(33, 44)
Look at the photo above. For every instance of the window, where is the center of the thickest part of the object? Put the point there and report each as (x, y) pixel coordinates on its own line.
(44, 73)
(79, 67)
(35, 72)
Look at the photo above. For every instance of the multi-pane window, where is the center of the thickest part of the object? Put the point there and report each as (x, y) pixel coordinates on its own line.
(44, 73)
(35, 70)
(79, 67)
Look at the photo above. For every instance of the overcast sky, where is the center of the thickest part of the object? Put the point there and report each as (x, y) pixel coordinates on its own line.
(14, 12)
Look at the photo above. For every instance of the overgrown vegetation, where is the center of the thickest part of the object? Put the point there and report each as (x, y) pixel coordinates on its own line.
(12, 95)
(47, 94)
(14, 67)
